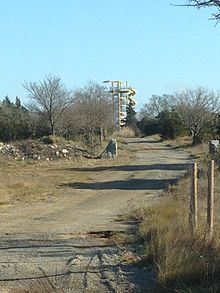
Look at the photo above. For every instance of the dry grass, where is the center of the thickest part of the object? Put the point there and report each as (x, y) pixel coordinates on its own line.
(125, 132)
(182, 141)
(183, 262)
(25, 181)
(199, 151)
(29, 181)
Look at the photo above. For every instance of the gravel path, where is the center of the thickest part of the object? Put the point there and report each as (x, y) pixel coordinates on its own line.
(48, 246)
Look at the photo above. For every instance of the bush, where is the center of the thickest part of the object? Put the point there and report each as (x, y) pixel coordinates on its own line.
(47, 140)
(166, 124)
(14, 121)
(148, 126)
(170, 125)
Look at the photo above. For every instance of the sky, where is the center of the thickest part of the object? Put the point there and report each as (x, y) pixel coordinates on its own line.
(158, 48)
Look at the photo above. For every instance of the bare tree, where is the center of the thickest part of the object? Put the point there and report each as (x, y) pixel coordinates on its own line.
(205, 3)
(156, 105)
(93, 110)
(196, 108)
(50, 98)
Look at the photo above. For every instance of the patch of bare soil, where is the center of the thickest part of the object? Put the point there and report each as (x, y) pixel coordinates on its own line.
(67, 243)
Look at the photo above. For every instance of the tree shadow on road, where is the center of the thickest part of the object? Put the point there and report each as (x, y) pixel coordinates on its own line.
(130, 184)
(174, 167)
(144, 141)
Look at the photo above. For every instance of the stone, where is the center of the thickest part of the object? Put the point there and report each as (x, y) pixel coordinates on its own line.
(213, 146)
(35, 157)
(65, 152)
(111, 148)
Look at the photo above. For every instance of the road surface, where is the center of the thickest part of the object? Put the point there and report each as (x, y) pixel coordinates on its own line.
(62, 244)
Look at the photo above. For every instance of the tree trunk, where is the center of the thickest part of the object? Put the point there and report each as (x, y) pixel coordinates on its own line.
(104, 133)
(194, 140)
(101, 135)
(52, 129)
(89, 137)
(194, 137)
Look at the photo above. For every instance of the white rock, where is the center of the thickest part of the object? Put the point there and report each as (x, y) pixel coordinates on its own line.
(65, 152)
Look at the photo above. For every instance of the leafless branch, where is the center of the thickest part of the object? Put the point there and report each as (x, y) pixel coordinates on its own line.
(49, 97)
(202, 4)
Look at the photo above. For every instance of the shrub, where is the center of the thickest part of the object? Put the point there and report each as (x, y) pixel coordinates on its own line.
(47, 140)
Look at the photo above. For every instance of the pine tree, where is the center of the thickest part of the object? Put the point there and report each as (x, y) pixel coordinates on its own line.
(14, 120)
(18, 103)
(130, 120)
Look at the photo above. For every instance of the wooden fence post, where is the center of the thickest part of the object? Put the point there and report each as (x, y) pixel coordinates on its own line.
(210, 199)
(193, 210)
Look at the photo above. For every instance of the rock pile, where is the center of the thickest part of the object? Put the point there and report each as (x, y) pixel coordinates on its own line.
(36, 150)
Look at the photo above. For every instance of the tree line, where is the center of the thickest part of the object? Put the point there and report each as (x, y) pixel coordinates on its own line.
(193, 112)
(54, 109)
(87, 112)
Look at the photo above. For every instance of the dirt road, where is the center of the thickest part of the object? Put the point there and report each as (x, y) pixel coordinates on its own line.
(48, 246)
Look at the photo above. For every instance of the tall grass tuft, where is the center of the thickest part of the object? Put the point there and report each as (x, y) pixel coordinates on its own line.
(183, 261)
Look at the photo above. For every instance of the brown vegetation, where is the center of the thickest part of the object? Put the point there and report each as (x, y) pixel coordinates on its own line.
(34, 180)
(183, 262)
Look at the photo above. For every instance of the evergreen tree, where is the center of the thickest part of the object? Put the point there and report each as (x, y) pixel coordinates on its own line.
(169, 125)
(18, 103)
(6, 102)
(130, 119)
(14, 120)
(148, 126)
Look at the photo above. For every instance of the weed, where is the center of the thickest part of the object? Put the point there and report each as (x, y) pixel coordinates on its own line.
(183, 262)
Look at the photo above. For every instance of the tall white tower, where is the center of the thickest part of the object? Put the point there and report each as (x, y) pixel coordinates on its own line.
(122, 95)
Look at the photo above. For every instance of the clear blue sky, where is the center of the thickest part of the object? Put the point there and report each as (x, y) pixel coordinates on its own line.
(158, 48)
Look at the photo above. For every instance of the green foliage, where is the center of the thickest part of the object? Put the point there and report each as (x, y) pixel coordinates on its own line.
(90, 117)
(14, 120)
(190, 112)
(148, 126)
(166, 124)
(170, 125)
(130, 120)
(39, 125)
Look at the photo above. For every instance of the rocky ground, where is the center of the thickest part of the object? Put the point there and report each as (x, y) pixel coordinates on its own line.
(68, 243)
(37, 150)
